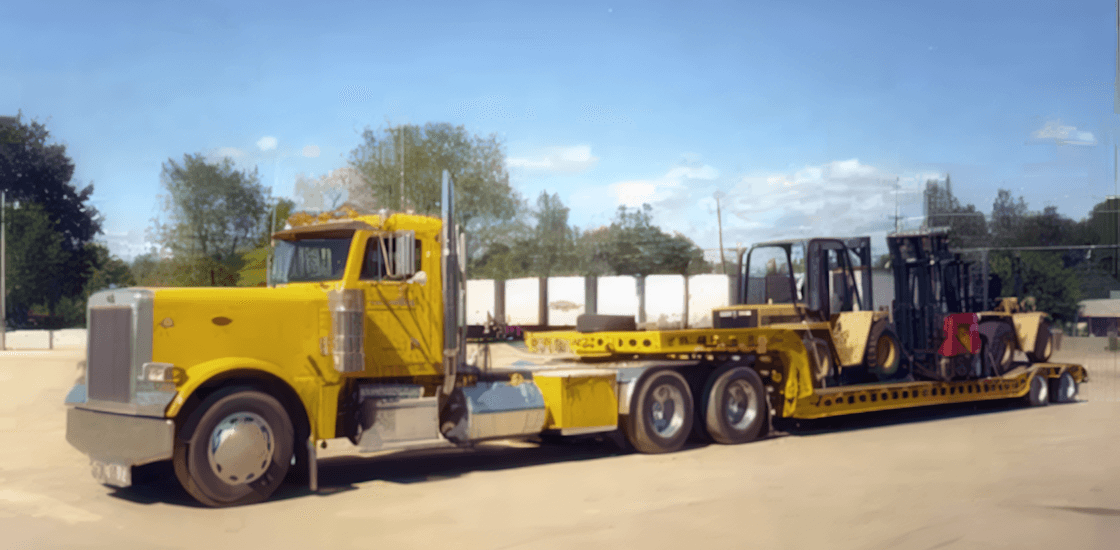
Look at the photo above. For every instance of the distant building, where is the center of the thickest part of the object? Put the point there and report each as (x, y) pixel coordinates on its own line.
(1101, 316)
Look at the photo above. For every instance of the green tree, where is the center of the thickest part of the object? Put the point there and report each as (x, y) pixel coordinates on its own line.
(35, 171)
(107, 271)
(215, 214)
(967, 227)
(1007, 218)
(554, 240)
(412, 158)
(1056, 289)
(36, 261)
(637, 247)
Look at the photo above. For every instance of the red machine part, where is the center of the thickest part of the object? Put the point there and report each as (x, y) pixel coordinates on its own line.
(962, 335)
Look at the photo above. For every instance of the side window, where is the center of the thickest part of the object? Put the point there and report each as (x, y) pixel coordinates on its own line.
(373, 264)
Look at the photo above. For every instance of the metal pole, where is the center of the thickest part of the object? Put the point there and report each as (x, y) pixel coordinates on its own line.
(3, 271)
(401, 139)
(722, 259)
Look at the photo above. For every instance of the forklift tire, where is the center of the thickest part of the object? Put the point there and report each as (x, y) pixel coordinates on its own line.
(1063, 389)
(1000, 340)
(239, 450)
(884, 354)
(590, 322)
(1038, 394)
(661, 413)
(1043, 344)
(735, 405)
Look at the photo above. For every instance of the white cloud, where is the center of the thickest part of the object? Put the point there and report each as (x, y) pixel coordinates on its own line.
(1063, 135)
(226, 152)
(267, 143)
(634, 193)
(310, 151)
(575, 158)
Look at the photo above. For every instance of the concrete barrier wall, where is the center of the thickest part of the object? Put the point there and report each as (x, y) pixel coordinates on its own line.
(664, 300)
(618, 295)
(705, 293)
(523, 301)
(480, 301)
(566, 300)
(72, 338)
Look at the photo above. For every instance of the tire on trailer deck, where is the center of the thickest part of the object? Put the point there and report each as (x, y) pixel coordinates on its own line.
(1043, 344)
(1063, 389)
(239, 451)
(661, 413)
(735, 406)
(1000, 338)
(591, 322)
(884, 354)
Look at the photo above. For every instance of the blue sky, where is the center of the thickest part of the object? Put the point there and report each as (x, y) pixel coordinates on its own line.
(801, 115)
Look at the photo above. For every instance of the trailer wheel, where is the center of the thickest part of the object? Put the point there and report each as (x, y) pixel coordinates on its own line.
(239, 450)
(735, 405)
(1038, 394)
(1063, 389)
(591, 322)
(1043, 345)
(1000, 339)
(661, 414)
(883, 352)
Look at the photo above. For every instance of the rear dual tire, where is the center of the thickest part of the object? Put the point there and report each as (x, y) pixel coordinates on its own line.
(1063, 389)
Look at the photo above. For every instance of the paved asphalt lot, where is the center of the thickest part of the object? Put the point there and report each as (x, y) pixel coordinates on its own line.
(991, 476)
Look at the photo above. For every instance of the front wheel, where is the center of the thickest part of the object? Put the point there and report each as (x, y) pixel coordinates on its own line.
(239, 450)
(661, 414)
(735, 410)
(1043, 344)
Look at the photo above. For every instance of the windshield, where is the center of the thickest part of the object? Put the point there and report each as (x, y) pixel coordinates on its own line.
(309, 260)
(768, 273)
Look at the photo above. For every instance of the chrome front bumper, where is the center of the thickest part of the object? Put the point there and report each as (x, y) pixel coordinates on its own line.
(116, 442)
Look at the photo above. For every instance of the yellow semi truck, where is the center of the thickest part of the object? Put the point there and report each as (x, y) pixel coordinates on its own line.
(360, 335)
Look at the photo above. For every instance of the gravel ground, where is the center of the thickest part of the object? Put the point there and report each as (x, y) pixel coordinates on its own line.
(989, 476)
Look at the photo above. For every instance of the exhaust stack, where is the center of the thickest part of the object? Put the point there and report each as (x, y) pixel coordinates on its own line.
(452, 347)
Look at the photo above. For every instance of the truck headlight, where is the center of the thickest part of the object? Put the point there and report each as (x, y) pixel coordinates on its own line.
(157, 372)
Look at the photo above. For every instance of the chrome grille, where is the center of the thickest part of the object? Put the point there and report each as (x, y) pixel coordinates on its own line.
(109, 372)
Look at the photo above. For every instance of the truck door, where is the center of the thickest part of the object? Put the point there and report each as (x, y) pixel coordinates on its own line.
(399, 328)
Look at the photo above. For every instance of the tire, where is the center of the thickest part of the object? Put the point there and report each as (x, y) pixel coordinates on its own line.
(735, 405)
(1038, 394)
(661, 414)
(239, 450)
(1000, 341)
(824, 367)
(1043, 344)
(884, 354)
(590, 322)
(1063, 389)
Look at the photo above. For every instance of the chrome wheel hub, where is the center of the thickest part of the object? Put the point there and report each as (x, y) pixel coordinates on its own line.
(240, 448)
(666, 411)
(741, 405)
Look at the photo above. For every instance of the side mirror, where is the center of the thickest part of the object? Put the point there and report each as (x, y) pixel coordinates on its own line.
(420, 278)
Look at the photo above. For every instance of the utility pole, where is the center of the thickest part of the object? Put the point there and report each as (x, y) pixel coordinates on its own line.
(719, 222)
(400, 138)
(896, 213)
